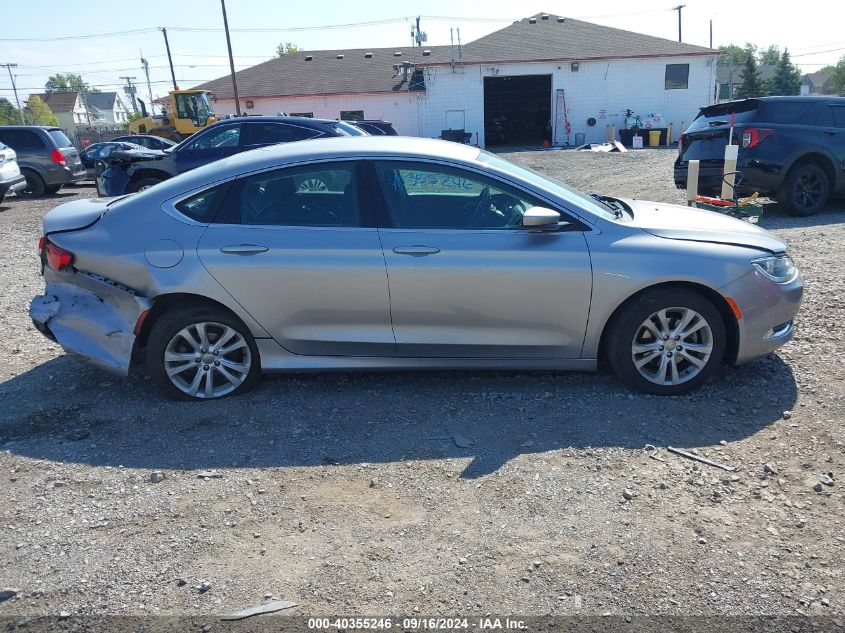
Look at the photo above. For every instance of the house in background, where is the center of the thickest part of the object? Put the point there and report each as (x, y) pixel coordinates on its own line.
(729, 79)
(816, 83)
(108, 107)
(68, 108)
(543, 80)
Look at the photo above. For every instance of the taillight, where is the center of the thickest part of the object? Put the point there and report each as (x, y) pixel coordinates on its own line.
(753, 136)
(57, 257)
(58, 157)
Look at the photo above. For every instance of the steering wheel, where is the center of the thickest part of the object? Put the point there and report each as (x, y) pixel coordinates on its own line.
(517, 210)
(481, 207)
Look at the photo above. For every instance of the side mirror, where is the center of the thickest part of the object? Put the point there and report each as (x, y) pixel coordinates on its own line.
(540, 218)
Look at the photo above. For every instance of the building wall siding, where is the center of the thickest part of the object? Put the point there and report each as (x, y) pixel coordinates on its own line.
(599, 89)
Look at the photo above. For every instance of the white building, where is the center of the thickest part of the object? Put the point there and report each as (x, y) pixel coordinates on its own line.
(541, 80)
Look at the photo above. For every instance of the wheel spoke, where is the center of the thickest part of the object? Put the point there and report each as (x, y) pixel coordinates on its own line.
(194, 387)
(178, 369)
(227, 335)
(186, 336)
(209, 383)
(235, 380)
(645, 360)
(234, 346)
(203, 334)
(689, 315)
(171, 357)
(649, 325)
(661, 371)
(639, 348)
(699, 348)
(674, 365)
(695, 361)
(695, 327)
(242, 368)
(664, 322)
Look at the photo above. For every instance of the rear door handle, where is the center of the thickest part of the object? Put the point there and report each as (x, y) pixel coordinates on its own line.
(416, 249)
(244, 249)
(830, 132)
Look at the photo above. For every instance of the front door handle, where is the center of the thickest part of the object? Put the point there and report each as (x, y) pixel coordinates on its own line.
(244, 249)
(416, 249)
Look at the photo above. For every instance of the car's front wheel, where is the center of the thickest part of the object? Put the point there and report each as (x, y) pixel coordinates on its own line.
(145, 183)
(666, 342)
(202, 353)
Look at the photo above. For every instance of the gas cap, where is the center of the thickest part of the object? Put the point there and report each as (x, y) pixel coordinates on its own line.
(164, 253)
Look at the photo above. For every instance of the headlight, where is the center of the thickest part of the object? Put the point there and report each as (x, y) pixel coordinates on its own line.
(777, 268)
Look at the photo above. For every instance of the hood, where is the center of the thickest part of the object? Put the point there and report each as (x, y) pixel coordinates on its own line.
(78, 214)
(676, 222)
(124, 156)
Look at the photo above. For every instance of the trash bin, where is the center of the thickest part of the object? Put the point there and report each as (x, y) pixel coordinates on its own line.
(654, 138)
(580, 139)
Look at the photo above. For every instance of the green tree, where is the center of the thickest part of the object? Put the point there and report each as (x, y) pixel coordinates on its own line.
(133, 116)
(769, 56)
(787, 79)
(67, 82)
(287, 48)
(752, 85)
(736, 55)
(9, 114)
(836, 83)
(39, 113)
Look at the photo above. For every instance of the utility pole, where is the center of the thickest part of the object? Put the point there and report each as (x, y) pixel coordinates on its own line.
(711, 33)
(678, 9)
(146, 66)
(130, 91)
(15, 90)
(231, 60)
(169, 60)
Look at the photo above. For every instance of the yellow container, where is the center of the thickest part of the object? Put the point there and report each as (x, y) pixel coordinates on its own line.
(654, 138)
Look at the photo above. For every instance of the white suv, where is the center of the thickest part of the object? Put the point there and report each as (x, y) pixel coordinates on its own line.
(11, 179)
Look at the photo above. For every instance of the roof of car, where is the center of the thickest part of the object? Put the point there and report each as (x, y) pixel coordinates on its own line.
(47, 128)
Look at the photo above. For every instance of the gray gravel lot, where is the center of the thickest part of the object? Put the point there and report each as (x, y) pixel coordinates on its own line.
(435, 492)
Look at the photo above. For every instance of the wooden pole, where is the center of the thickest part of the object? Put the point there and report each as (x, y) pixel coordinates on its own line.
(692, 181)
(731, 154)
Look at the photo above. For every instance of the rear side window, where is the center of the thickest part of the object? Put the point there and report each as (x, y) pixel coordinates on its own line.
(788, 112)
(60, 139)
(22, 140)
(203, 206)
(720, 115)
(268, 133)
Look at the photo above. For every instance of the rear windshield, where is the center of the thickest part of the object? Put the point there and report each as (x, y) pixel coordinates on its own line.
(720, 115)
(60, 139)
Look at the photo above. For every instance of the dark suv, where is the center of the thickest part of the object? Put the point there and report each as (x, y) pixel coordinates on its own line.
(790, 148)
(47, 158)
(135, 170)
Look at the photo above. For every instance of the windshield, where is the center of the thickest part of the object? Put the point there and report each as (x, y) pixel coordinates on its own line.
(193, 106)
(548, 183)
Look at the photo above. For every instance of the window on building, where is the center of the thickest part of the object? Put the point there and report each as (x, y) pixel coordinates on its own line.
(677, 76)
(724, 91)
(351, 115)
(250, 104)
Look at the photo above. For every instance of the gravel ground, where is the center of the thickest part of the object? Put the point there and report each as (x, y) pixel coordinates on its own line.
(429, 493)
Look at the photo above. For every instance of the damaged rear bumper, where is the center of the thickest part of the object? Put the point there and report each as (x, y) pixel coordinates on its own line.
(90, 317)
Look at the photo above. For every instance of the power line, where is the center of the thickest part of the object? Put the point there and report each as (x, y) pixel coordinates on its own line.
(830, 50)
(77, 37)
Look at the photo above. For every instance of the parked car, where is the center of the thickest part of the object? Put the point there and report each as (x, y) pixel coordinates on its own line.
(11, 179)
(149, 141)
(100, 152)
(422, 254)
(376, 127)
(136, 170)
(790, 148)
(47, 158)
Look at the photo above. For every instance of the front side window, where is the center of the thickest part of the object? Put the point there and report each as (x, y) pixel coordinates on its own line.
(225, 137)
(313, 195)
(428, 196)
(677, 76)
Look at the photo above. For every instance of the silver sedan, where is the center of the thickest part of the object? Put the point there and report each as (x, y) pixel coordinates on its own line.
(399, 253)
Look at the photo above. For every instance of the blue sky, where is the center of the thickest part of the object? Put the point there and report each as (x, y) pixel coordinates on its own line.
(813, 33)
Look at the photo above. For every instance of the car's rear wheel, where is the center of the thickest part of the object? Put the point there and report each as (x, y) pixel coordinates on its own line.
(52, 189)
(805, 190)
(202, 353)
(666, 342)
(35, 186)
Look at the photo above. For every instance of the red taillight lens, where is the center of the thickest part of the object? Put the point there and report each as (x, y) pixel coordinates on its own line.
(58, 157)
(58, 258)
(753, 136)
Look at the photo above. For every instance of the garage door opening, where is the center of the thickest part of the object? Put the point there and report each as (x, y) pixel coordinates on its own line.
(517, 111)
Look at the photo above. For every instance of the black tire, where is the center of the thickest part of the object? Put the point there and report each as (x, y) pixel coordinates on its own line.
(145, 183)
(35, 186)
(52, 189)
(168, 326)
(628, 324)
(805, 190)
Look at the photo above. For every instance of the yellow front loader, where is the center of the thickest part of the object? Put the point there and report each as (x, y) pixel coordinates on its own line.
(186, 112)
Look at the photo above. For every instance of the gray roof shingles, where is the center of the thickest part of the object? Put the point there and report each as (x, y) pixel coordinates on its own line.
(530, 39)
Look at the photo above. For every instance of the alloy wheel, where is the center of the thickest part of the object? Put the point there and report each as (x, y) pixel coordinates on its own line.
(809, 190)
(672, 346)
(207, 360)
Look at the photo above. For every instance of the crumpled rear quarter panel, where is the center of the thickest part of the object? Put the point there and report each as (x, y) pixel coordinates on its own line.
(90, 318)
